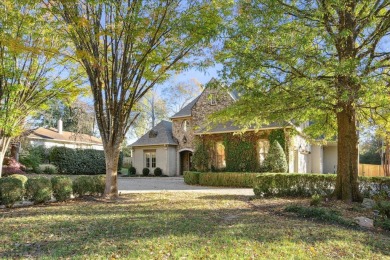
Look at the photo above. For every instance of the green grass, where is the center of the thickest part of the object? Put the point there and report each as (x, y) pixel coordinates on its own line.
(124, 171)
(178, 225)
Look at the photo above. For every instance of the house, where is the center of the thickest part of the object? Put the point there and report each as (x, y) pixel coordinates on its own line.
(50, 137)
(171, 145)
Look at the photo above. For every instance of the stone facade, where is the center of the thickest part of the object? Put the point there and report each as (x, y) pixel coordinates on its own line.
(211, 100)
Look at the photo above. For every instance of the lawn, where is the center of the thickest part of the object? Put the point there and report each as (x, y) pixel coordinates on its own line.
(179, 226)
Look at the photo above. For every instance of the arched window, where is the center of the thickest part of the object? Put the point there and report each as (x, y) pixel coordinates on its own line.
(221, 161)
(263, 150)
(185, 125)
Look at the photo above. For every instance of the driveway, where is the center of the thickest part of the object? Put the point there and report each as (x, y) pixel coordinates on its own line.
(172, 184)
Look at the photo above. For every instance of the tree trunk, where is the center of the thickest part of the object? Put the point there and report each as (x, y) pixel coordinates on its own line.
(4, 143)
(347, 186)
(112, 158)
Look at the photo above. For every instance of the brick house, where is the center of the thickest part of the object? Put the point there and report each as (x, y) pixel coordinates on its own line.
(171, 145)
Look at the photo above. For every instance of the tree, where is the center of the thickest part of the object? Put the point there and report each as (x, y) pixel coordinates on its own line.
(276, 160)
(126, 48)
(152, 108)
(321, 61)
(180, 94)
(30, 70)
(78, 116)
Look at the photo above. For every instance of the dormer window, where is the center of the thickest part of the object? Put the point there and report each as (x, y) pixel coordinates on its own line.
(185, 125)
(213, 99)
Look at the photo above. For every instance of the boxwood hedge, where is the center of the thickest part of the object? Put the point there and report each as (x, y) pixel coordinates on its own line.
(78, 161)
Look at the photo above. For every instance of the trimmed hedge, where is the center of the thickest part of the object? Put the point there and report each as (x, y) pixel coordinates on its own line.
(78, 161)
(62, 187)
(11, 191)
(227, 179)
(89, 185)
(20, 177)
(220, 179)
(39, 189)
(306, 185)
(191, 178)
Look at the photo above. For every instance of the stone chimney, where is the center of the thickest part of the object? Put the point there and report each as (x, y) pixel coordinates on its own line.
(59, 126)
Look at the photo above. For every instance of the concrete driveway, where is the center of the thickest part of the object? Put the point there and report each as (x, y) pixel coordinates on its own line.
(171, 184)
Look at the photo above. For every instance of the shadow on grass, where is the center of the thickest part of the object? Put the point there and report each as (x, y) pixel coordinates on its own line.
(96, 227)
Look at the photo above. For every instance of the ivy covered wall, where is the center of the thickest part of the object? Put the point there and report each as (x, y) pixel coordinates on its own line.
(241, 150)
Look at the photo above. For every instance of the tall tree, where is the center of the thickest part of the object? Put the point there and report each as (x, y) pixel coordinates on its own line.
(30, 71)
(78, 116)
(126, 48)
(323, 61)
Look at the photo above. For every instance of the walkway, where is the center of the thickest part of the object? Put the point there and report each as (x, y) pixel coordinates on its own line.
(171, 184)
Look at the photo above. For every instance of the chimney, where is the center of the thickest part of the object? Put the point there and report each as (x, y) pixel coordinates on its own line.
(59, 126)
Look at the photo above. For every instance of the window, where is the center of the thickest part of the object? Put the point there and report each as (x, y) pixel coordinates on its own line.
(153, 160)
(150, 159)
(185, 125)
(263, 150)
(221, 162)
(213, 99)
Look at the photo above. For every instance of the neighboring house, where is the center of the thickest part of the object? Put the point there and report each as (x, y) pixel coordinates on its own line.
(171, 146)
(50, 137)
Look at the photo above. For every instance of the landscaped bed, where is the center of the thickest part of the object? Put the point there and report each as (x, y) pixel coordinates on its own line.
(175, 225)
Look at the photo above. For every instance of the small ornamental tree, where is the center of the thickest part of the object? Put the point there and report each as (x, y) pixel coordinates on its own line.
(276, 159)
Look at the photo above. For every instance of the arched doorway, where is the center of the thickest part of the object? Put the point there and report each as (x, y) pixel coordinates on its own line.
(185, 161)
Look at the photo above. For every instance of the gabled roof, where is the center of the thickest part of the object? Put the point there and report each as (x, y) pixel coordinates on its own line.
(186, 111)
(51, 134)
(159, 135)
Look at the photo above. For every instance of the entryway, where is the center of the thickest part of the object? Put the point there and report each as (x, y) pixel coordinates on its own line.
(185, 161)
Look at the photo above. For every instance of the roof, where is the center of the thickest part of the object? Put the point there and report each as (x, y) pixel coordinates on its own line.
(51, 134)
(159, 135)
(186, 111)
(228, 127)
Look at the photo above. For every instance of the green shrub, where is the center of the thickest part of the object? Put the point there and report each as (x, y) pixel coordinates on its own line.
(157, 172)
(11, 191)
(88, 185)
(62, 187)
(37, 170)
(384, 208)
(383, 223)
(276, 159)
(30, 160)
(20, 177)
(39, 189)
(78, 161)
(200, 157)
(83, 185)
(308, 184)
(191, 178)
(132, 170)
(315, 200)
(322, 214)
(100, 184)
(50, 170)
(227, 179)
(145, 171)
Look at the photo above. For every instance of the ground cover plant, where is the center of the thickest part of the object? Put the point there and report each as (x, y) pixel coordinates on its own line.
(180, 225)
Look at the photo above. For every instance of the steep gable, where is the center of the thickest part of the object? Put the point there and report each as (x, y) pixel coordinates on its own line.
(161, 134)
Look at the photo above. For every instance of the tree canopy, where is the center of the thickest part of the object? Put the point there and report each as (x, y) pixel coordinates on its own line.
(31, 71)
(325, 62)
(127, 47)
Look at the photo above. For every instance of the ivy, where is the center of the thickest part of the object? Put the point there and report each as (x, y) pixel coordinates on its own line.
(240, 153)
(201, 156)
(278, 135)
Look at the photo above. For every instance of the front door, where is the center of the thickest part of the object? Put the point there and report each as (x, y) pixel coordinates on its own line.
(185, 161)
